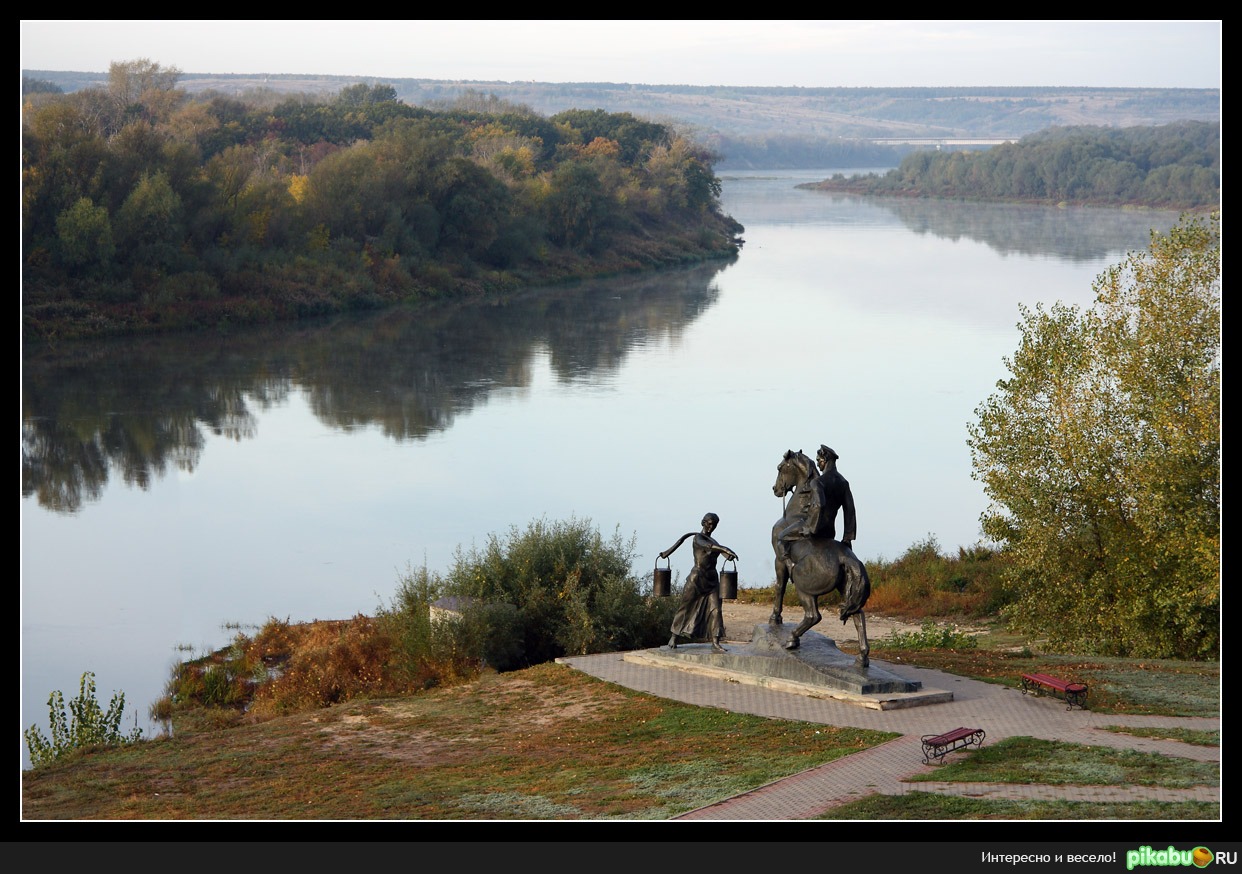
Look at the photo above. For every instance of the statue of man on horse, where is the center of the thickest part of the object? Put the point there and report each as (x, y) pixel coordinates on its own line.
(807, 552)
(827, 494)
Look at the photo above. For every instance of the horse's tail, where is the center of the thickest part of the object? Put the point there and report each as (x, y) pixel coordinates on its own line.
(857, 587)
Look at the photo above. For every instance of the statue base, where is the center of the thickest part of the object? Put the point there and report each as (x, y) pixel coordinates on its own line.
(816, 669)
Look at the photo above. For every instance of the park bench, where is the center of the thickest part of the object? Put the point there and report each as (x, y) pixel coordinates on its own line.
(1075, 693)
(937, 746)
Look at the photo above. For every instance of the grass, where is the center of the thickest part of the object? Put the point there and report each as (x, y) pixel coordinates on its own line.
(1152, 687)
(1028, 760)
(1185, 735)
(931, 806)
(543, 743)
(550, 743)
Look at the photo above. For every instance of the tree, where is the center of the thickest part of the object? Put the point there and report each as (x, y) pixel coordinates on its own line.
(363, 94)
(129, 80)
(148, 224)
(1100, 456)
(577, 206)
(85, 234)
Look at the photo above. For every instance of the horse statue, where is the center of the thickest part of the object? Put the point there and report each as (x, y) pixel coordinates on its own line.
(822, 565)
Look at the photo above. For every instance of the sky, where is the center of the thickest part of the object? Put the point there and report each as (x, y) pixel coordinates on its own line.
(809, 53)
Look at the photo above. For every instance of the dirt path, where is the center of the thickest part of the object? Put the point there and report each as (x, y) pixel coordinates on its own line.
(740, 621)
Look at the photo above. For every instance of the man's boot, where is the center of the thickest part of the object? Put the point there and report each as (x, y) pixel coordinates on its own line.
(786, 557)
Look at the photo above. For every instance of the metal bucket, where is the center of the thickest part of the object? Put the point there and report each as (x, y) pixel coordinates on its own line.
(728, 583)
(662, 580)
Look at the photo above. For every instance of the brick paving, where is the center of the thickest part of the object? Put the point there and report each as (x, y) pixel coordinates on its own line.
(1000, 711)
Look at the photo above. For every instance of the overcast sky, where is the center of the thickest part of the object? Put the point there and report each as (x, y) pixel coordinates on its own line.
(1158, 54)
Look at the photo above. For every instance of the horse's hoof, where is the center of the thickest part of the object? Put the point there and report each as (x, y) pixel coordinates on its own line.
(793, 644)
(775, 619)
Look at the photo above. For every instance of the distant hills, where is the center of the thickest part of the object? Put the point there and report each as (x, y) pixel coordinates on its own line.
(768, 126)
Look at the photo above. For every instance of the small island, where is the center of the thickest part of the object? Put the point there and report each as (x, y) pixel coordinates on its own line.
(1173, 166)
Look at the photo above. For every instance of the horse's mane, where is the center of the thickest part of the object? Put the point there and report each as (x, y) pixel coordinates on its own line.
(804, 461)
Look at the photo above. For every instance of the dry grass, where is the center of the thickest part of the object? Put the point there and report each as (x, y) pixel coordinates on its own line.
(545, 743)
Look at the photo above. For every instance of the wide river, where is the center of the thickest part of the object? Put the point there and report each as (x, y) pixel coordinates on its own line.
(177, 490)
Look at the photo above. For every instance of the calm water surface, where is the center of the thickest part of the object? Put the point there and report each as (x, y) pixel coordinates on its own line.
(175, 489)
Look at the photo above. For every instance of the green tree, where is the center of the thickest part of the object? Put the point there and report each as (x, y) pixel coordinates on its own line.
(578, 206)
(85, 233)
(1100, 455)
(363, 94)
(148, 225)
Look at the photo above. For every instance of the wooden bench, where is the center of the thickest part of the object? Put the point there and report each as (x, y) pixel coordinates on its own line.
(1075, 693)
(937, 746)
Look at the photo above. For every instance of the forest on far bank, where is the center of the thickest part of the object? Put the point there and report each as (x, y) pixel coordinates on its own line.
(146, 208)
(1172, 166)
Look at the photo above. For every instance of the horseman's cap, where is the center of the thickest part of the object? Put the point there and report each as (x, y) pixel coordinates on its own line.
(825, 452)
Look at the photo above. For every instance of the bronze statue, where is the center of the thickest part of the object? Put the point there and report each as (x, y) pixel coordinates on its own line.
(816, 563)
(698, 614)
(837, 496)
(827, 494)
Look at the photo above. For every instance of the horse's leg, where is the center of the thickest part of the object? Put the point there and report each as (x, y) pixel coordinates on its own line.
(864, 648)
(782, 577)
(810, 607)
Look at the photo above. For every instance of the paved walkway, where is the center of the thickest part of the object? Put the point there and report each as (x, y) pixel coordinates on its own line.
(1001, 712)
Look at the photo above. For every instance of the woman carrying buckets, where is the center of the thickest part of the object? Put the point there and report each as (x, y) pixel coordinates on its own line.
(698, 615)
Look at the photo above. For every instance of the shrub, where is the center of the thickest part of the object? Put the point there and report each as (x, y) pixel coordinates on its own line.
(574, 591)
(88, 726)
(427, 653)
(554, 589)
(328, 662)
(929, 636)
(924, 582)
(495, 632)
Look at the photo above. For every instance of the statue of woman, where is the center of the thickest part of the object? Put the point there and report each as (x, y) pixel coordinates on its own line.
(698, 614)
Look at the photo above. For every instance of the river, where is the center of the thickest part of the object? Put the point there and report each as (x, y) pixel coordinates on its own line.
(177, 490)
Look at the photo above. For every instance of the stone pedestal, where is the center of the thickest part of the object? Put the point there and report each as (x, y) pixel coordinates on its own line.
(816, 668)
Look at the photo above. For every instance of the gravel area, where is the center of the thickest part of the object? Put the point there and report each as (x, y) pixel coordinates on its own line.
(740, 621)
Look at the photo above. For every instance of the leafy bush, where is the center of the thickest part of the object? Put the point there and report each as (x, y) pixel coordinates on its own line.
(428, 653)
(496, 633)
(929, 636)
(89, 725)
(574, 591)
(925, 582)
(554, 589)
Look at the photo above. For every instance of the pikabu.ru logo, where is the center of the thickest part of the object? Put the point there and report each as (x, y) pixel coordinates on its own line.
(1200, 857)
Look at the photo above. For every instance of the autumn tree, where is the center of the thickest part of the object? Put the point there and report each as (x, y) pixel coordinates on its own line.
(1100, 455)
(128, 81)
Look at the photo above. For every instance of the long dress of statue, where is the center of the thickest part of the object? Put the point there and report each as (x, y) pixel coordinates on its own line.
(698, 615)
